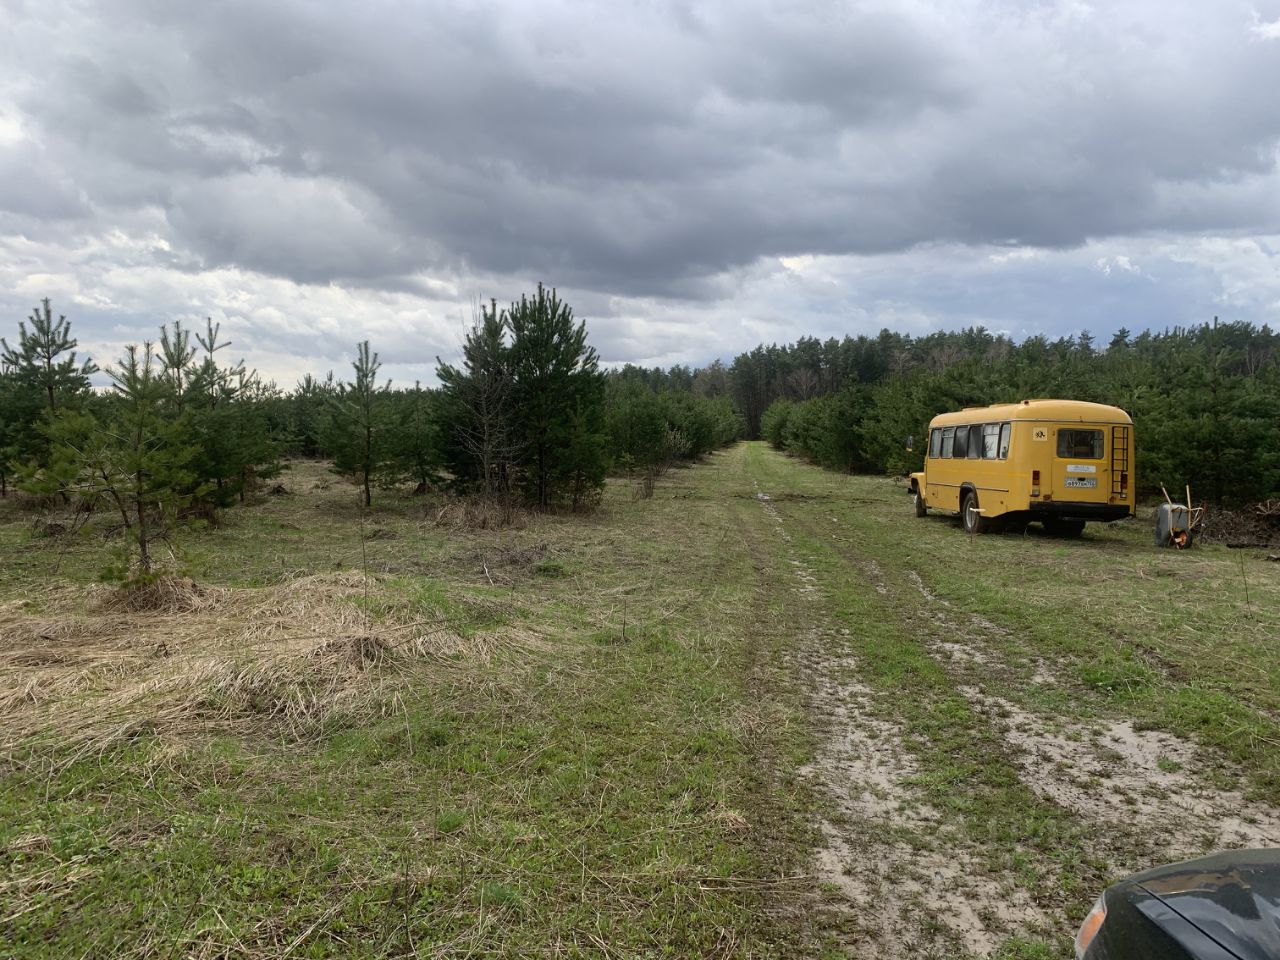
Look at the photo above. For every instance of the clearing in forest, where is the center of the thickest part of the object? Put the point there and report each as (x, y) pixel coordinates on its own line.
(766, 712)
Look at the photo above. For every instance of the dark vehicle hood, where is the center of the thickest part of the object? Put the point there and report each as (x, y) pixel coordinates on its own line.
(1233, 898)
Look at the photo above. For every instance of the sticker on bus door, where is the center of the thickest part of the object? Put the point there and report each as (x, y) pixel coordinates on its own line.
(1087, 482)
(1081, 468)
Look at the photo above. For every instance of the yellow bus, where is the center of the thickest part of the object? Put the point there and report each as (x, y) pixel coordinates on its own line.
(1062, 462)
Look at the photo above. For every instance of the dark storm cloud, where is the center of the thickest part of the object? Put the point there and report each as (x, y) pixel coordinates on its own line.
(31, 187)
(641, 149)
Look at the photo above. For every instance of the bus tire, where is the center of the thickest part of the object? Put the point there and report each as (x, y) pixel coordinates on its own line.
(974, 522)
(917, 501)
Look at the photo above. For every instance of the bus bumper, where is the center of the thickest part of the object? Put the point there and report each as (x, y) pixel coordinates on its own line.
(1080, 511)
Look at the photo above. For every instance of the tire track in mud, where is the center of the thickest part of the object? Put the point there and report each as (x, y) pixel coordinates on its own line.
(909, 884)
(1138, 784)
(1136, 791)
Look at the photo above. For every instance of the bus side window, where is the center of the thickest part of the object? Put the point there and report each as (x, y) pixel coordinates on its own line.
(948, 436)
(1005, 429)
(935, 443)
(975, 442)
(990, 440)
(960, 446)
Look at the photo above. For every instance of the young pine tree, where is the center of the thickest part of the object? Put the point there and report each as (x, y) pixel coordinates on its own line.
(580, 468)
(227, 409)
(357, 430)
(558, 402)
(636, 422)
(211, 394)
(255, 449)
(41, 376)
(137, 456)
(480, 444)
(16, 410)
(415, 440)
(45, 357)
(308, 409)
(177, 363)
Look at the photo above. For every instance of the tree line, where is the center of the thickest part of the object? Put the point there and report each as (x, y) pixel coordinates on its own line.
(527, 417)
(1205, 399)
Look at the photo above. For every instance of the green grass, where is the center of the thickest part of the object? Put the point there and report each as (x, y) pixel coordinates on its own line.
(595, 791)
(608, 761)
(1165, 637)
(1111, 617)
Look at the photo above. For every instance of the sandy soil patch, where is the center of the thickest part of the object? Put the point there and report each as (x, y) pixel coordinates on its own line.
(910, 885)
(1143, 784)
(970, 636)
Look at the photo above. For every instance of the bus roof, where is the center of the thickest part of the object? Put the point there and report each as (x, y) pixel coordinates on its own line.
(1058, 411)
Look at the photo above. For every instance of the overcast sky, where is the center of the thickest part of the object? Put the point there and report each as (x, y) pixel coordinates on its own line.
(695, 177)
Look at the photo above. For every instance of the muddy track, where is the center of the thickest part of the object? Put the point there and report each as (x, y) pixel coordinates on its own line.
(911, 882)
(1130, 784)
(910, 885)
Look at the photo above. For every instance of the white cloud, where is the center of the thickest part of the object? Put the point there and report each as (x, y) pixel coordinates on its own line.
(1265, 29)
(1119, 262)
(1016, 253)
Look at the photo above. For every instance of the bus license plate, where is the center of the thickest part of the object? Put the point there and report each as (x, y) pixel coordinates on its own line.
(1089, 482)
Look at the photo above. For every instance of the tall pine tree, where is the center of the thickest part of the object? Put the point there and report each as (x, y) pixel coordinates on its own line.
(42, 375)
(481, 445)
(559, 402)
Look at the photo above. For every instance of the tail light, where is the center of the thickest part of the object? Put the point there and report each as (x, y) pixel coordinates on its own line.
(1124, 484)
(1035, 483)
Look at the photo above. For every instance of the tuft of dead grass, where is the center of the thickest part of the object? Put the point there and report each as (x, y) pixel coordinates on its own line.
(180, 661)
(164, 594)
(478, 513)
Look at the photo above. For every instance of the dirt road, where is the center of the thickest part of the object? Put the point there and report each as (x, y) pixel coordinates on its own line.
(760, 710)
(980, 788)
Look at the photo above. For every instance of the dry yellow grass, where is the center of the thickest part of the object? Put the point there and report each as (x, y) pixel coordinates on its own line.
(176, 659)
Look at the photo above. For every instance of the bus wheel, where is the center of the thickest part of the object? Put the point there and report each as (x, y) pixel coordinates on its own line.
(917, 501)
(974, 522)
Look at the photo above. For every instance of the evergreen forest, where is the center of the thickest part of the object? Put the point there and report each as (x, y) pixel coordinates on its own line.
(527, 415)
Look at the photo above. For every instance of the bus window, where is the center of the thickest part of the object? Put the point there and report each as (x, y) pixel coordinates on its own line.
(975, 441)
(961, 445)
(1080, 444)
(935, 442)
(1005, 429)
(948, 435)
(990, 440)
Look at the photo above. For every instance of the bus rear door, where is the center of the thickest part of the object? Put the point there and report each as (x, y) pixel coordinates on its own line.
(1081, 470)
